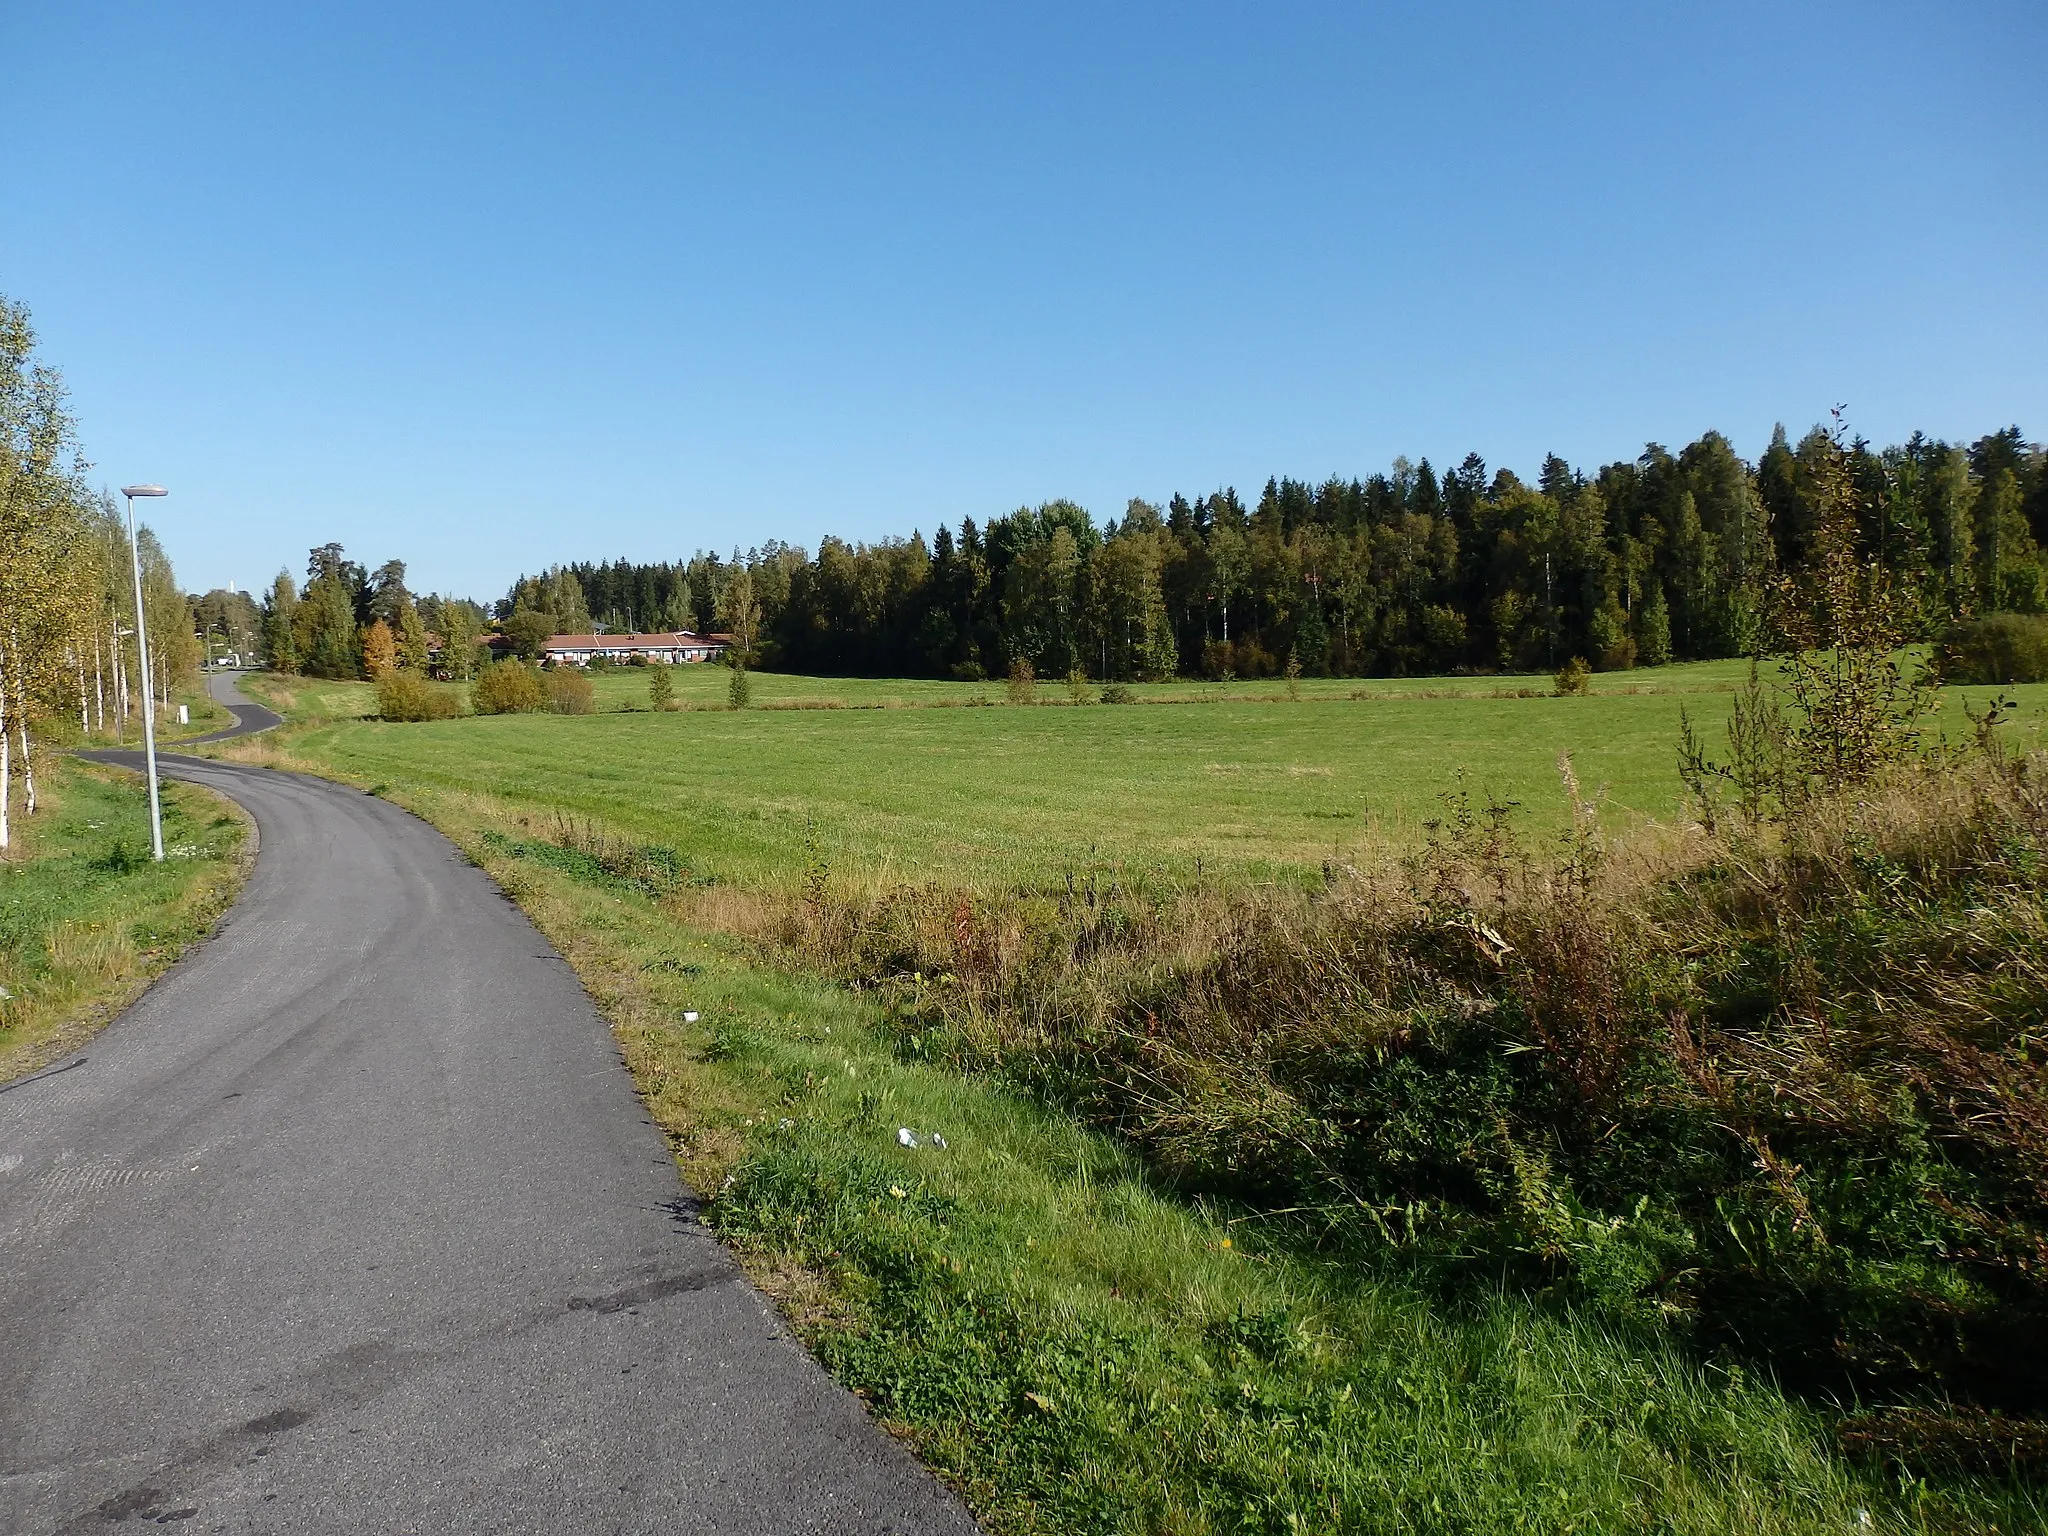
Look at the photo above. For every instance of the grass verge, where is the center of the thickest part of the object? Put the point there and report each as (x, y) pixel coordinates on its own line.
(87, 918)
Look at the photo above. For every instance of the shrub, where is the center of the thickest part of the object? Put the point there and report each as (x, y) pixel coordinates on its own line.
(1998, 648)
(661, 687)
(1077, 686)
(405, 695)
(508, 688)
(1613, 646)
(1118, 693)
(739, 693)
(1022, 687)
(1574, 677)
(570, 691)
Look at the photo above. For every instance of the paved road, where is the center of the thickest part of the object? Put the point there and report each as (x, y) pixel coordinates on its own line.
(249, 717)
(353, 1223)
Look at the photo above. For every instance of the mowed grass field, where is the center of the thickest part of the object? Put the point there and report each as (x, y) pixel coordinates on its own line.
(1249, 788)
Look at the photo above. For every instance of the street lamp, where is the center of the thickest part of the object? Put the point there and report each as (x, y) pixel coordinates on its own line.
(156, 813)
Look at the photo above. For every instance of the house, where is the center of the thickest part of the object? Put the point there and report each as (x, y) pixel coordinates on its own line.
(673, 647)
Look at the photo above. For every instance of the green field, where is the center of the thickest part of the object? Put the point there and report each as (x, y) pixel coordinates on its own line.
(1024, 795)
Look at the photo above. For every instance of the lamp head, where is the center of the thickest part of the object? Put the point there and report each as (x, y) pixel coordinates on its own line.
(132, 491)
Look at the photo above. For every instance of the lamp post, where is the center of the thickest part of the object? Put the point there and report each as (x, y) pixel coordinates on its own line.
(156, 813)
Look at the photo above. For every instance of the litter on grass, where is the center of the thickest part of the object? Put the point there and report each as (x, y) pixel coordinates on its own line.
(689, 1016)
(906, 1137)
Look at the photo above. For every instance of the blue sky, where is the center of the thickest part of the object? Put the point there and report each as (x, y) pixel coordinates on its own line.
(491, 286)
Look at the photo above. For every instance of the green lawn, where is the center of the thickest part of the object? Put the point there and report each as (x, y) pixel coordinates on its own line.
(1010, 795)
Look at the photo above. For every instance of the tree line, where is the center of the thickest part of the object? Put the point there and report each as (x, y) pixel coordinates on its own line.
(67, 605)
(1664, 557)
(350, 622)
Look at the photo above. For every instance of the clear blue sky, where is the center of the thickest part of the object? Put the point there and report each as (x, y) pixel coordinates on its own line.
(489, 286)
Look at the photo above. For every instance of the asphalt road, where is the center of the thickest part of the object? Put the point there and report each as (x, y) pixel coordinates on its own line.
(353, 1223)
(249, 717)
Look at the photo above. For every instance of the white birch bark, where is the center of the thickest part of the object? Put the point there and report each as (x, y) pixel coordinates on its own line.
(6, 778)
(28, 770)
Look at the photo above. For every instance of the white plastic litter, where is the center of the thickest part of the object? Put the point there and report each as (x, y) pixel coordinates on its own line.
(690, 1016)
(938, 1141)
(905, 1136)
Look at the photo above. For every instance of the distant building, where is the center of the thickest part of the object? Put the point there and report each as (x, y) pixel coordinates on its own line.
(675, 647)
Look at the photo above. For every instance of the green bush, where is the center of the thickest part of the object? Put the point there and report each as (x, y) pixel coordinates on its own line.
(1574, 677)
(404, 695)
(508, 688)
(570, 692)
(661, 686)
(1118, 693)
(1998, 648)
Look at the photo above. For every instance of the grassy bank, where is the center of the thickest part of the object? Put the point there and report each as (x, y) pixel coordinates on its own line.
(87, 917)
(1094, 1332)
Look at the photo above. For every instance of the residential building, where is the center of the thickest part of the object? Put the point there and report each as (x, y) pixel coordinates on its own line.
(674, 647)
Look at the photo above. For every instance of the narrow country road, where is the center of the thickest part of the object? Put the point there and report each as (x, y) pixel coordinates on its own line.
(353, 1224)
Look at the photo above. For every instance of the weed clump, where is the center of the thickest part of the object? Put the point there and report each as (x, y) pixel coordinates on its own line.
(587, 852)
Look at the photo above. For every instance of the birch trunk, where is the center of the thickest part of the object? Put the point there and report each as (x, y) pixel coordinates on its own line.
(99, 694)
(28, 771)
(84, 704)
(6, 778)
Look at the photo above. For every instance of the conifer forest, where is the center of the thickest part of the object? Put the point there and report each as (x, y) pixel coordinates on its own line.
(1669, 556)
